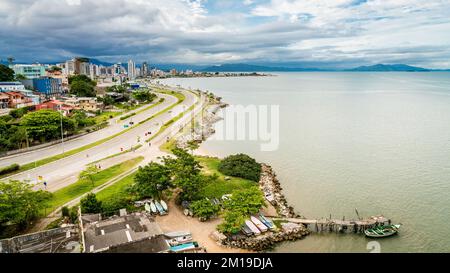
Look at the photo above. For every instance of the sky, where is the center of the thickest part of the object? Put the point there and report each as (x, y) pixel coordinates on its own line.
(306, 33)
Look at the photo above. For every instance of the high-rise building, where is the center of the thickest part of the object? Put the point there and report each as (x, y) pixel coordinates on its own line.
(131, 70)
(145, 71)
(31, 71)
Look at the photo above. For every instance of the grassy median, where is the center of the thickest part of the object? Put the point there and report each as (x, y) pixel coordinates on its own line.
(81, 187)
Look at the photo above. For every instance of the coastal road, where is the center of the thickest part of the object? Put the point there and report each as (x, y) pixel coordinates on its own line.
(63, 172)
(115, 126)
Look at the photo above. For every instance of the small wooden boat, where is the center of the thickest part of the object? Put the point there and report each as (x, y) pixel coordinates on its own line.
(246, 230)
(252, 227)
(164, 205)
(177, 234)
(159, 208)
(147, 208)
(382, 231)
(180, 240)
(153, 207)
(267, 222)
(258, 223)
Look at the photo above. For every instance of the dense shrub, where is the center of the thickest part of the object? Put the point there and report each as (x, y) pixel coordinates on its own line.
(9, 169)
(241, 165)
(90, 204)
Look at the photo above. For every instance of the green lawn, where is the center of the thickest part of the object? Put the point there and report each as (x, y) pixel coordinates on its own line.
(81, 187)
(218, 189)
(119, 188)
(105, 116)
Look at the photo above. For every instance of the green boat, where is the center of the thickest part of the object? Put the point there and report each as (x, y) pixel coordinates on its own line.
(382, 231)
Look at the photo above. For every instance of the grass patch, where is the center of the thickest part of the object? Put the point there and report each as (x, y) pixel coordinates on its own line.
(81, 187)
(221, 186)
(118, 189)
(105, 116)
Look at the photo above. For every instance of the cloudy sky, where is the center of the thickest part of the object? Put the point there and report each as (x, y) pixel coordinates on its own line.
(340, 33)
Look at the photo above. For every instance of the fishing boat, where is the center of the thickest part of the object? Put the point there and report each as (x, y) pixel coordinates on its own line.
(184, 247)
(382, 231)
(147, 208)
(180, 240)
(153, 207)
(259, 224)
(246, 230)
(252, 227)
(177, 234)
(159, 208)
(267, 222)
(164, 205)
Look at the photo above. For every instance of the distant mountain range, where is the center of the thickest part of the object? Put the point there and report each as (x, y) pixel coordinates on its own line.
(242, 67)
(372, 68)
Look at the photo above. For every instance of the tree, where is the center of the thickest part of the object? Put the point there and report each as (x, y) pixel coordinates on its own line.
(192, 145)
(107, 100)
(241, 165)
(45, 125)
(6, 73)
(232, 222)
(151, 180)
(19, 203)
(82, 119)
(88, 174)
(82, 89)
(144, 96)
(90, 204)
(204, 209)
(186, 173)
(246, 202)
(20, 77)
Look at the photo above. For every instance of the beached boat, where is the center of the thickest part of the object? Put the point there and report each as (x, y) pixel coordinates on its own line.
(259, 224)
(164, 205)
(177, 234)
(184, 247)
(382, 231)
(252, 227)
(267, 222)
(147, 208)
(153, 207)
(180, 240)
(159, 208)
(246, 230)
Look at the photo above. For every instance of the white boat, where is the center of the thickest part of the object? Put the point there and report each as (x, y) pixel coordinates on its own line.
(153, 207)
(164, 205)
(159, 208)
(258, 223)
(252, 227)
(180, 240)
(177, 234)
(267, 222)
(147, 208)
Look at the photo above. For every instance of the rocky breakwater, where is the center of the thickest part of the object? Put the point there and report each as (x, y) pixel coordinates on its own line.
(203, 126)
(272, 190)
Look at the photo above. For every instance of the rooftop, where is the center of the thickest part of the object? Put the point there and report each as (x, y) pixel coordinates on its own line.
(120, 233)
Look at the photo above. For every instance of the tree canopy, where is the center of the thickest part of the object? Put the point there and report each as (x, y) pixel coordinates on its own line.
(241, 165)
(82, 89)
(151, 180)
(6, 73)
(19, 203)
(144, 96)
(204, 209)
(46, 124)
(90, 204)
(186, 174)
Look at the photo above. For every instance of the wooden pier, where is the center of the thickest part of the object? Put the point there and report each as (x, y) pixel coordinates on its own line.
(342, 226)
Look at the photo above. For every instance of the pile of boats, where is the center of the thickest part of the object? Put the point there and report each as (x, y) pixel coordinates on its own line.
(258, 224)
(154, 206)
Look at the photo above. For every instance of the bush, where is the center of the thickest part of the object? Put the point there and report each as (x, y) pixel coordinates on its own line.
(127, 116)
(242, 166)
(65, 211)
(9, 169)
(90, 204)
(204, 209)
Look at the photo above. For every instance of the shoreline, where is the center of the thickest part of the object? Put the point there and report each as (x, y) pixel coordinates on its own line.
(269, 185)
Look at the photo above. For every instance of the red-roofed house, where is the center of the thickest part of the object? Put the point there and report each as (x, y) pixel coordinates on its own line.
(18, 100)
(56, 105)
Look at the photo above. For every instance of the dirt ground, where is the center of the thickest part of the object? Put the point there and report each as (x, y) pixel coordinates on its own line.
(177, 221)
